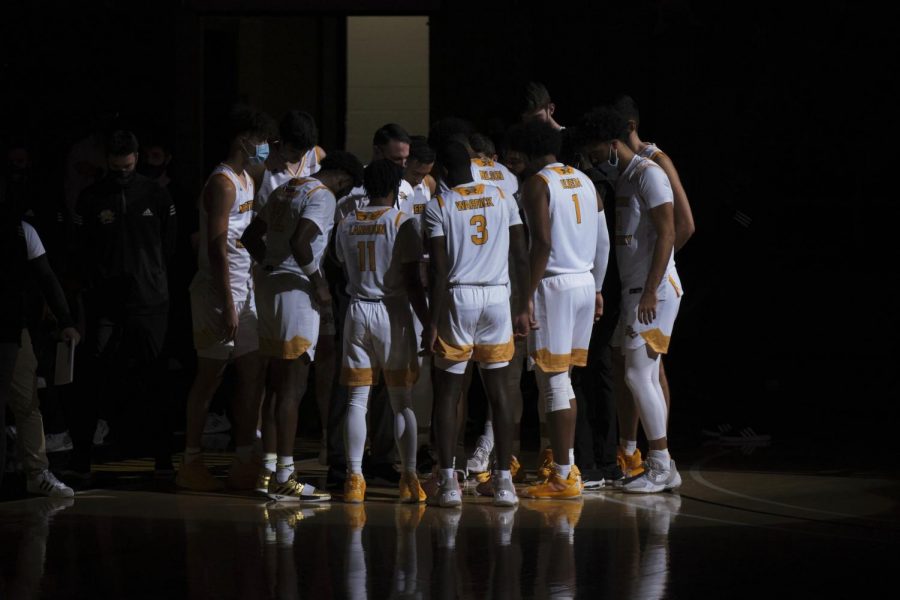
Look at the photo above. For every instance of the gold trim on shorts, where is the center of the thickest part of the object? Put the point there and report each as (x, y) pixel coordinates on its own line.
(494, 353)
(357, 377)
(290, 349)
(453, 353)
(657, 340)
(557, 363)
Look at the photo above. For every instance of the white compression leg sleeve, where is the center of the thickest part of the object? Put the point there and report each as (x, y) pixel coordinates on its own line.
(404, 425)
(355, 427)
(642, 377)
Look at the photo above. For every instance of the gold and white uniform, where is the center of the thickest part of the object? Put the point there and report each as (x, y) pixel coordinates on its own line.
(288, 313)
(474, 219)
(374, 243)
(207, 306)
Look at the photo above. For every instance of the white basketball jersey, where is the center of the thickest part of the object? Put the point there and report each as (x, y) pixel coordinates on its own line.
(573, 220)
(413, 200)
(367, 243)
(239, 217)
(309, 165)
(297, 199)
(641, 187)
(650, 151)
(485, 170)
(474, 219)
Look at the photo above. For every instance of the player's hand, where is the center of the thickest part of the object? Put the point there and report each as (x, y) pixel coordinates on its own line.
(598, 307)
(521, 324)
(429, 340)
(647, 307)
(70, 334)
(231, 323)
(532, 322)
(323, 296)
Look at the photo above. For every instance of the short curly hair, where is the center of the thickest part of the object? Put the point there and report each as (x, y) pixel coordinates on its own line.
(381, 178)
(535, 138)
(338, 160)
(247, 121)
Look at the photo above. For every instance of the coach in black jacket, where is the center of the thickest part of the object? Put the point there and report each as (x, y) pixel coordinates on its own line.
(127, 235)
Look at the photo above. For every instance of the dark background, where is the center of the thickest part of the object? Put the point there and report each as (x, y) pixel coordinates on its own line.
(777, 114)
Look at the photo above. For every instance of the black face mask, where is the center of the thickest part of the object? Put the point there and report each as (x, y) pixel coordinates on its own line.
(153, 171)
(123, 178)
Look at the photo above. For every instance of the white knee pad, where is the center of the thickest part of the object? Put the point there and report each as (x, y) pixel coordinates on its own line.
(555, 390)
(455, 368)
(359, 396)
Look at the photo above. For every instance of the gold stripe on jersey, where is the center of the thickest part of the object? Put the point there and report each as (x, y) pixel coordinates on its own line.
(494, 353)
(298, 181)
(474, 204)
(483, 162)
(362, 215)
(557, 363)
(397, 219)
(563, 170)
(372, 229)
(401, 377)
(357, 377)
(470, 190)
(657, 154)
(440, 201)
(657, 340)
(675, 285)
(246, 206)
(289, 349)
(452, 352)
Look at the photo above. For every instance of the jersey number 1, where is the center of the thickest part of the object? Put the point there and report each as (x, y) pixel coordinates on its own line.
(361, 250)
(481, 233)
(577, 208)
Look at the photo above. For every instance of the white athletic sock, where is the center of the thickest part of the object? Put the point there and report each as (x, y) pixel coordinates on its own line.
(447, 475)
(564, 470)
(501, 474)
(486, 440)
(192, 454)
(244, 453)
(571, 456)
(629, 446)
(660, 456)
(270, 459)
(283, 468)
(405, 426)
(640, 371)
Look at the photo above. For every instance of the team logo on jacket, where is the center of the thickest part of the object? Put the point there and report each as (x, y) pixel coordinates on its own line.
(106, 217)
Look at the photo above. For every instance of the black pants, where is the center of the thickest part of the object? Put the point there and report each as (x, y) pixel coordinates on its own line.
(8, 354)
(122, 371)
(596, 427)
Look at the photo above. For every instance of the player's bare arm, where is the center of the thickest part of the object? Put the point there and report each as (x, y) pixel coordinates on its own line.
(218, 199)
(536, 201)
(663, 222)
(440, 263)
(301, 248)
(684, 218)
(520, 280)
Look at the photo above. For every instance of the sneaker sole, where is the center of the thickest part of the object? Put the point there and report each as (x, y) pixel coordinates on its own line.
(506, 503)
(282, 498)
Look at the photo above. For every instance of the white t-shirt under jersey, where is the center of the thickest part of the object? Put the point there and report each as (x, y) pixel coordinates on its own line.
(370, 245)
(239, 217)
(33, 244)
(641, 187)
(309, 165)
(475, 219)
(573, 220)
(297, 199)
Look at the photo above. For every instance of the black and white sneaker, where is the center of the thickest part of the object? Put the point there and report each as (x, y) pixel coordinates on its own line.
(46, 484)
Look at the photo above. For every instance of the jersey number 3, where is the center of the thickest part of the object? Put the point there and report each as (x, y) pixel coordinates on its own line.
(363, 248)
(481, 233)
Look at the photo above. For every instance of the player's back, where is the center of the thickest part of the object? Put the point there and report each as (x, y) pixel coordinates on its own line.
(366, 242)
(300, 198)
(573, 219)
(486, 170)
(475, 219)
